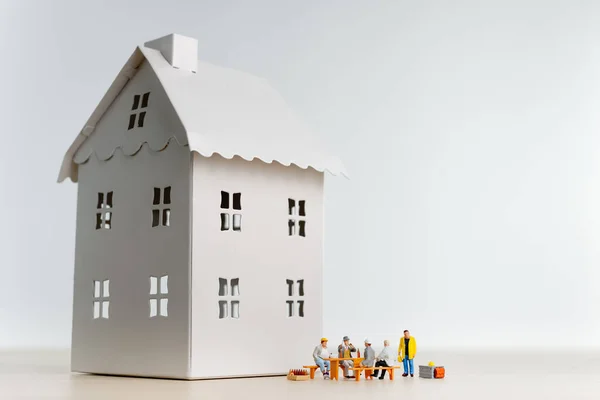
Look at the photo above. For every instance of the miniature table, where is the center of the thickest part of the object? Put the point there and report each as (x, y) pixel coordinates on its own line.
(335, 365)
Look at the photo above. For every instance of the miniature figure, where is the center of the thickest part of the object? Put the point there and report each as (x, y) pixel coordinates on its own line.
(384, 359)
(345, 350)
(319, 355)
(407, 352)
(369, 360)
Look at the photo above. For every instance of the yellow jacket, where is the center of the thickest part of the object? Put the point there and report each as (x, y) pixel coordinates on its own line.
(412, 349)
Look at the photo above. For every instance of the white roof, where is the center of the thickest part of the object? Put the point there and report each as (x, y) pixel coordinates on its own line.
(223, 111)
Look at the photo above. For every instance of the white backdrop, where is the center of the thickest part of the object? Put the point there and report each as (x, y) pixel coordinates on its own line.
(471, 131)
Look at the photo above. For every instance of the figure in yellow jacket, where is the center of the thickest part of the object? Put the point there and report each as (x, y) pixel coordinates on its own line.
(406, 353)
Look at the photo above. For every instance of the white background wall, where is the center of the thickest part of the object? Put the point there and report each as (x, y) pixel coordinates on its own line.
(471, 130)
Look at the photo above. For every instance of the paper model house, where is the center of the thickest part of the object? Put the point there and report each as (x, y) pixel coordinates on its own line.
(199, 244)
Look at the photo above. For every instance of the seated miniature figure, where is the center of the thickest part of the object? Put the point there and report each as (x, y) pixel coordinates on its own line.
(345, 350)
(320, 355)
(384, 359)
(369, 360)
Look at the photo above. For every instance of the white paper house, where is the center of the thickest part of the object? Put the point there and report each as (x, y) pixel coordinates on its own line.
(199, 237)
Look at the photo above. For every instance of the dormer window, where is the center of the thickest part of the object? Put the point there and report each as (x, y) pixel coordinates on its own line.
(138, 107)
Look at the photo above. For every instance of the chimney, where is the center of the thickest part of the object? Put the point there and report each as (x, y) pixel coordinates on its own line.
(180, 51)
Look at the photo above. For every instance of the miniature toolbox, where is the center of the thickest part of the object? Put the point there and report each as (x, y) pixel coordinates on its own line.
(432, 372)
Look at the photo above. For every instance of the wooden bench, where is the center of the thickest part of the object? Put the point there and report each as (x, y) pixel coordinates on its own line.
(369, 371)
(313, 369)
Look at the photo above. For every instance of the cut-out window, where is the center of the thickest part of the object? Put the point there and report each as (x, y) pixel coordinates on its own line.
(237, 201)
(104, 212)
(222, 309)
(161, 197)
(137, 107)
(131, 122)
(296, 217)
(222, 287)
(235, 287)
(224, 199)
(159, 302)
(101, 299)
(224, 222)
(235, 309)
(141, 118)
(167, 217)
(145, 100)
(301, 209)
(136, 102)
(226, 204)
(301, 287)
(237, 222)
(302, 228)
(164, 307)
(155, 218)
(291, 302)
(231, 291)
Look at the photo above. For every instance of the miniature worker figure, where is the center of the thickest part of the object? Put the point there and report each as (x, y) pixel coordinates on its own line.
(345, 350)
(369, 360)
(384, 359)
(320, 355)
(407, 352)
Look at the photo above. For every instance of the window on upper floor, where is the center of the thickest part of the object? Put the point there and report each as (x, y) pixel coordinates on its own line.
(161, 210)
(297, 217)
(295, 298)
(139, 114)
(231, 220)
(104, 212)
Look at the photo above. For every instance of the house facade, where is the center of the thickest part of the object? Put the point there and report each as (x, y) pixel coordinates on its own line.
(199, 239)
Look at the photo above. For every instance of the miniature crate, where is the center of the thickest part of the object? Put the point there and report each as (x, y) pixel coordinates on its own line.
(425, 371)
(298, 375)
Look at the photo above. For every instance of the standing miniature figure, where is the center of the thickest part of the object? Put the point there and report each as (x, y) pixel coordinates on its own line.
(320, 354)
(345, 350)
(384, 359)
(407, 352)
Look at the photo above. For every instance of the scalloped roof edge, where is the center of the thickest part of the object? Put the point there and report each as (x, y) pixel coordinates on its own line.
(69, 168)
(174, 139)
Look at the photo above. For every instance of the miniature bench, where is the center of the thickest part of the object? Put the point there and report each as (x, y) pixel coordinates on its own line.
(369, 371)
(312, 369)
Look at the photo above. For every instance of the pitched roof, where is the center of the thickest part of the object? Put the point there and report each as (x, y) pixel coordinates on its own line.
(223, 111)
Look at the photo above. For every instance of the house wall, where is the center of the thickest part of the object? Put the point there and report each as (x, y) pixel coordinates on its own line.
(129, 342)
(263, 340)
